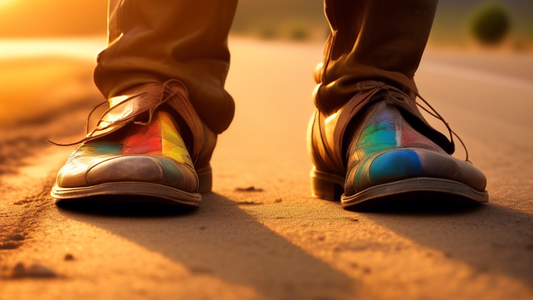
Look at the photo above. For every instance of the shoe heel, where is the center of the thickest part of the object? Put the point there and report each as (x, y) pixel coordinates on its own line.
(326, 186)
(205, 176)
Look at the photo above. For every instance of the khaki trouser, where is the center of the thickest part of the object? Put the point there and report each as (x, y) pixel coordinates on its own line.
(187, 40)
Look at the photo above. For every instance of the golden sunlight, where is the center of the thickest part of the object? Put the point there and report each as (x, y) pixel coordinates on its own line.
(5, 2)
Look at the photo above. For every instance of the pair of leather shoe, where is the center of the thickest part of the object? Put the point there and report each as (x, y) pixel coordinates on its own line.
(376, 148)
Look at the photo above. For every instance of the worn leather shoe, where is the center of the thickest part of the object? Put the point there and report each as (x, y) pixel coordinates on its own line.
(139, 149)
(379, 148)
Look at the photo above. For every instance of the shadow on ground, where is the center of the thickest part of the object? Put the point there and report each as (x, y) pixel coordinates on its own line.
(490, 237)
(221, 240)
(420, 206)
(118, 206)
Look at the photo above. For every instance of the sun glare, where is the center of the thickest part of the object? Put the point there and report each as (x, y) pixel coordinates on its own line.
(5, 2)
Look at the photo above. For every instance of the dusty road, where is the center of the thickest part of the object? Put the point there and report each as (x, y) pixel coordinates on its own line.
(279, 243)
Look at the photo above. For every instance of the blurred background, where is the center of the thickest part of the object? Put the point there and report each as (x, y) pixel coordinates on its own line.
(48, 48)
(457, 24)
(41, 41)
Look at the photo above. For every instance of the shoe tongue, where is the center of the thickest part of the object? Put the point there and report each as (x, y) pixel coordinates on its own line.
(410, 112)
(358, 111)
(413, 116)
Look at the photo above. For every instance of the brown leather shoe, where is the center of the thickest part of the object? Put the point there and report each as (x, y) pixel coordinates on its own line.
(379, 148)
(138, 149)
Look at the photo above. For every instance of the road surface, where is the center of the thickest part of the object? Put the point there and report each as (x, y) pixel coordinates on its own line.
(280, 243)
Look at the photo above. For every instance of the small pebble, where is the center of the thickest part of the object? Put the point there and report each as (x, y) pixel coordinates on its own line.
(69, 256)
(249, 189)
(16, 237)
(36, 271)
(249, 203)
(40, 271)
(19, 270)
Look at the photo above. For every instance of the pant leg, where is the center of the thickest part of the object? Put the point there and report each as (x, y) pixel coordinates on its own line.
(164, 39)
(371, 39)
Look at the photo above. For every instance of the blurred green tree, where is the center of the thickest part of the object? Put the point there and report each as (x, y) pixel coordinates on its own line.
(299, 33)
(490, 24)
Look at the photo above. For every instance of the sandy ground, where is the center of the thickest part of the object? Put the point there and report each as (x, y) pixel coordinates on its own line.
(280, 243)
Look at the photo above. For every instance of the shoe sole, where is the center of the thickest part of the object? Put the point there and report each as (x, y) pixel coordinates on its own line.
(330, 187)
(157, 193)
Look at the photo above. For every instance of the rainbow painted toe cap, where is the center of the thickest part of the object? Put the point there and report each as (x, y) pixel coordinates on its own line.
(400, 164)
(139, 160)
(132, 168)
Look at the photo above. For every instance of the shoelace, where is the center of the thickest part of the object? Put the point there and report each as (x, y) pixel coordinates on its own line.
(162, 99)
(436, 115)
(165, 90)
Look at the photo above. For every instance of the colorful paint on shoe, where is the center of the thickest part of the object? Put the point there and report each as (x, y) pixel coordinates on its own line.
(138, 160)
(387, 159)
